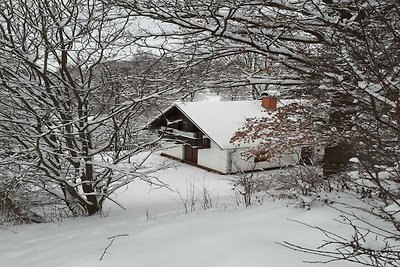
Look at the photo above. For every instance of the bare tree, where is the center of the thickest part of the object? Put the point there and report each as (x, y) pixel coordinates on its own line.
(326, 45)
(58, 118)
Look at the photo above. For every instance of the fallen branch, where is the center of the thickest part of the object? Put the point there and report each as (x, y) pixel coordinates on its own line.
(6, 229)
(111, 242)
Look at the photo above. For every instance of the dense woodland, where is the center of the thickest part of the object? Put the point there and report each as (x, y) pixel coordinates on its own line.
(80, 79)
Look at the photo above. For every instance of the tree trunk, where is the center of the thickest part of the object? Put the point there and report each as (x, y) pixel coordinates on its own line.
(336, 158)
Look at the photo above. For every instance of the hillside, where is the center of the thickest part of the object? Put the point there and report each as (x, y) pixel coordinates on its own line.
(155, 230)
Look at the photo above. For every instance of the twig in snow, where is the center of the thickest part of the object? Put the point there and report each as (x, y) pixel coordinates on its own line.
(111, 242)
(112, 237)
(6, 229)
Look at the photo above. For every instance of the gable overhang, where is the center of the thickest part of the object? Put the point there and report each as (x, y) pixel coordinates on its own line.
(151, 124)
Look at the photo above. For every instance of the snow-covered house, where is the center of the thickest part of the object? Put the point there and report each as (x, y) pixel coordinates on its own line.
(204, 131)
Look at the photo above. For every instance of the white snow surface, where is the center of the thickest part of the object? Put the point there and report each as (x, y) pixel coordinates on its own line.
(394, 210)
(373, 244)
(157, 232)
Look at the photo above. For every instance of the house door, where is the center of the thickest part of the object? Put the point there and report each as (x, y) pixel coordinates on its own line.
(190, 154)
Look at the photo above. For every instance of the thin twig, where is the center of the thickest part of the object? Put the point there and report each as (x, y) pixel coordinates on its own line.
(111, 242)
(3, 228)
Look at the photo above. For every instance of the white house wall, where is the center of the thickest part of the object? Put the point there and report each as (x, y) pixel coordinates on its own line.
(174, 150)
(240, 164)
(231, 160)
(214, 158)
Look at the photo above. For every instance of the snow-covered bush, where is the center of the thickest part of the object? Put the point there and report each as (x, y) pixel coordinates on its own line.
(17, 203)
(304, 184)
(249, 187)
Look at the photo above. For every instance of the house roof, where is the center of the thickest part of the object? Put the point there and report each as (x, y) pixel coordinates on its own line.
(221, 119)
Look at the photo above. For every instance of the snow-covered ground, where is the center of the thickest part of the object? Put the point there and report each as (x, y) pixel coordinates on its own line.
(155, 230)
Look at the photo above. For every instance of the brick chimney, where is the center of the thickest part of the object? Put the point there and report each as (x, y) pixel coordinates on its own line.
(268, 101)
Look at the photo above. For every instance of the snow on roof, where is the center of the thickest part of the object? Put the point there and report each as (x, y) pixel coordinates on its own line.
(220, 120)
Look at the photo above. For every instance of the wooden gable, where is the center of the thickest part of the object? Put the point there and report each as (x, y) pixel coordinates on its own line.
(174, 124)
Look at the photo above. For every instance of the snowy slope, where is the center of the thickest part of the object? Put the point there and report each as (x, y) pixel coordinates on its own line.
(157, 232)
